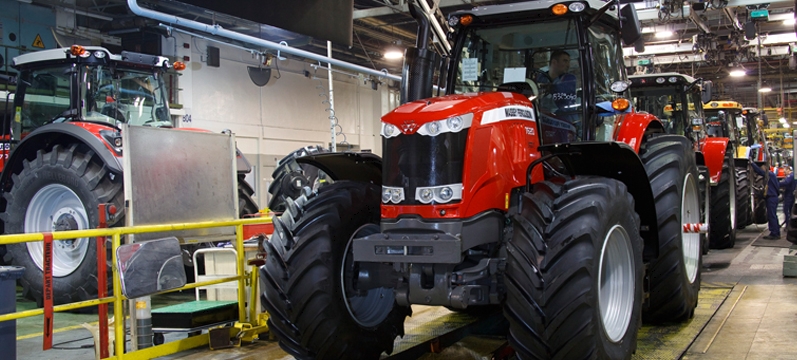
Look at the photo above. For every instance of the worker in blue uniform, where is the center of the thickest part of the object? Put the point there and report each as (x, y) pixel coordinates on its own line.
(788, 184)
(771, 195)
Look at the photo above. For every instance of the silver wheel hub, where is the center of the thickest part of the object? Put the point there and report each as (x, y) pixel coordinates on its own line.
(371, 308)
(56, 207)
(690, 214)
(617, 284)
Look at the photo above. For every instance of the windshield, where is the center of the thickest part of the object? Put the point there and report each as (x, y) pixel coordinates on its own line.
(542, 58)
(123, 96)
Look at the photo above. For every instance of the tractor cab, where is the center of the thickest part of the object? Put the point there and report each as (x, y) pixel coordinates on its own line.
(568, 61)
(673, 98)
(89, 84)
(724, 119)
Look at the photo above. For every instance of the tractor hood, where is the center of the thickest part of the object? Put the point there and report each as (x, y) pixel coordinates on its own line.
(410, 116)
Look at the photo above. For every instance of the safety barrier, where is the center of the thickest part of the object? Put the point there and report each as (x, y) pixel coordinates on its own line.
(118, 299)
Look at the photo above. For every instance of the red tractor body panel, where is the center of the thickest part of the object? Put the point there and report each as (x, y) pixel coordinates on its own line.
(501, 143)
(714, 149)
(631, 127)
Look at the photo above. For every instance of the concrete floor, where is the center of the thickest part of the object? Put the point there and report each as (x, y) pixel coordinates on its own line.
(755, 321)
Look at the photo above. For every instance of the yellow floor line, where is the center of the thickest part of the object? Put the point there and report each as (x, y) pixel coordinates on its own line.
(73, 327)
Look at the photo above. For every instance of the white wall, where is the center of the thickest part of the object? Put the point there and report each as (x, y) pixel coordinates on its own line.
(287, 113)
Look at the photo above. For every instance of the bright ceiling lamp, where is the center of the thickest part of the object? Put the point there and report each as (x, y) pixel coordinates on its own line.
(738, 72)
(788, 21)
(664, 34)
(394, 51)
(765, 89)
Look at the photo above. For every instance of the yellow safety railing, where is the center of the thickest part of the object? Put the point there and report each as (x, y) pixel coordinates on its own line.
(118, 299)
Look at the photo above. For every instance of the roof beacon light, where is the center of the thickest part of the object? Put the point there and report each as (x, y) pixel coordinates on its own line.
(77, 50)
(559, 9)
(620, 104)
(466, 20)
(179, 65)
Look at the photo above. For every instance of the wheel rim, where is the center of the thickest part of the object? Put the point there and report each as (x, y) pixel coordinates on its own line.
(56, 207)
(690, 214)
(732, 182)
(616, 273)
(372, 308)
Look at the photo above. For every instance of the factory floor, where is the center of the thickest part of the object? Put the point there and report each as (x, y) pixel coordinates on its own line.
(748, 310)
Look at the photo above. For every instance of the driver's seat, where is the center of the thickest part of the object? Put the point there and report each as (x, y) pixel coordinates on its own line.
(527, 88)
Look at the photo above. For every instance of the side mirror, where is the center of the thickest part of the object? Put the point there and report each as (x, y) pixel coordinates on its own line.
(149, 267)
(705, 96)
(630, 28)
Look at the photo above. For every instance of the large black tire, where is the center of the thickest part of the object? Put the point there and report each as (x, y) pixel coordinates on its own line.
(759, 200)
(722, 229)
(560, 281)
(674, 275)
(66, 183)
(290, 177)
(302, 279)
(744, 192)
(246, 204)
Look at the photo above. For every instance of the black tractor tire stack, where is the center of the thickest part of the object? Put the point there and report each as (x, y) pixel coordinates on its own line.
(290, 178)
(301, 281)
(82, 171)
(671, 168)
(553, 265)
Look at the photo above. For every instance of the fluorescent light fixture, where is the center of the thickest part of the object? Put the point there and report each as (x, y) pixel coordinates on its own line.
(786, 125)
(765, 89)
(86, 13)
(738, 73)
(788, 21)
(782, 120)
(393, 54)
(664, 34)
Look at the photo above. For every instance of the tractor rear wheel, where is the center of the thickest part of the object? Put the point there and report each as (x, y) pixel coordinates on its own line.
(307, 280)
(674, 275)
(744, 214)
(290, 177)
(574, 271)
(722, 234)
(59, 190)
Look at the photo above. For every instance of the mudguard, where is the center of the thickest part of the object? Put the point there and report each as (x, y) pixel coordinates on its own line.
(62, 133)
(366, 167)
(714, 149)
(631, 127)
(618, 161)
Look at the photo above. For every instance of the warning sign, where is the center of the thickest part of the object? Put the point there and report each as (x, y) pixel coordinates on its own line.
(37, 42)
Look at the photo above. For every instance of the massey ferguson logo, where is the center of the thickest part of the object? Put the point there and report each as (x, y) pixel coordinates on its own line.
(409, 126)
(516, 112)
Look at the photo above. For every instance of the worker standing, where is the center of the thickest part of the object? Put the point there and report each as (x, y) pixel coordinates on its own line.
(771, 194)
(788, 184)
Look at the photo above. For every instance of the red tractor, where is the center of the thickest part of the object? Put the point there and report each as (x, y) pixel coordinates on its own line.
(677, 100)
(505, 191)
(62, 155)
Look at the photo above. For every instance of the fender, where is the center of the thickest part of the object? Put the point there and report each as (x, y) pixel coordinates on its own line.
(60, 133)
(618, 161)
(714, 150)
(632, 127)
(364, 167)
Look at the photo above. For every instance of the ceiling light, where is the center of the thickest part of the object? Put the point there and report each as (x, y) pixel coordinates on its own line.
(765, 89)
(788, 21)
(393, 51)
(664, 34)
(738, 72)
(786, 125)
(782, 120)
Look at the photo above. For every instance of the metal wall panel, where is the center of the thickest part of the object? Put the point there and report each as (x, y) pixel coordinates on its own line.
(178, 176)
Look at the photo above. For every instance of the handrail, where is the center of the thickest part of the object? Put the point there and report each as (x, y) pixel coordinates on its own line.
(118, 299)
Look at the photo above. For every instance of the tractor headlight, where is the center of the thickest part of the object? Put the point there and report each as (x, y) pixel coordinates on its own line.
(390, 130)
(577, 7)
(395, 195)
(385, 195)
(426, 195)
(451, 125)
(439, 194)
(392, 195)
(455, 123)
(446, 193)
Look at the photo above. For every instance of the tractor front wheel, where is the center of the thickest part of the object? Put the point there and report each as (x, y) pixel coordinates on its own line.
(309, 278)
(59, 190)
(574, 272)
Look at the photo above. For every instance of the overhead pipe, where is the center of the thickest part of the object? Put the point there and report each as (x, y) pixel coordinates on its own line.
(217, 30)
